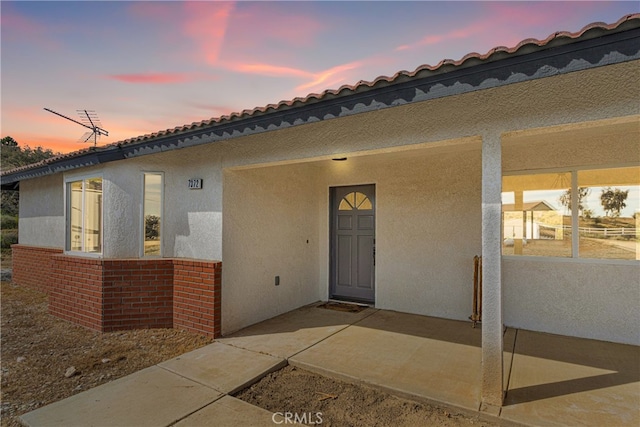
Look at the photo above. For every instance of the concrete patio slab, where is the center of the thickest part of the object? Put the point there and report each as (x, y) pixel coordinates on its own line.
(414, 356)
(551, 380)
(231, 412)
(151, 397)
(290, 333)
(559, 381)
(223, 367)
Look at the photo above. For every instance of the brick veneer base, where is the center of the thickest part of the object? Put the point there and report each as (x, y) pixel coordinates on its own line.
(33, 266)
(197, 296)
(115, 294)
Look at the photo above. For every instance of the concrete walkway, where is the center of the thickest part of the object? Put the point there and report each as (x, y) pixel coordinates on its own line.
(551, 380)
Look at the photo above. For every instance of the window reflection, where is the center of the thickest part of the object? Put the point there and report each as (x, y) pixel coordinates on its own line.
(85, 215)
(93, 215)
(152, 214)
(75, 216)
(609, 206)
(538, 209)
(535, 221)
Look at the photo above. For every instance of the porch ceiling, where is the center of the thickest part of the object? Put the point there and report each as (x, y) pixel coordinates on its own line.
(625, 128)
(379, 156)
(611, 142)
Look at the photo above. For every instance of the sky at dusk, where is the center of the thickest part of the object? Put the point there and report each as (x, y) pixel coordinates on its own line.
(152, 65)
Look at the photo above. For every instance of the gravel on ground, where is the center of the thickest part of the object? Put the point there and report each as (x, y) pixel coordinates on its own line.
(46, 359)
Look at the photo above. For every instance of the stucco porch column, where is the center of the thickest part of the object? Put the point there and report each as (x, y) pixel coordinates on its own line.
(492, 391)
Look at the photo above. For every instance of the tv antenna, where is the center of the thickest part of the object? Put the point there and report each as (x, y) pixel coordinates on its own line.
(89, 119)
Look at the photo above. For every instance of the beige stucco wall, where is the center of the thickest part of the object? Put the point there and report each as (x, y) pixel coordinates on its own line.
(192, 219)
(428, 230)
(270, 229)
(576, 298)
(42, 212)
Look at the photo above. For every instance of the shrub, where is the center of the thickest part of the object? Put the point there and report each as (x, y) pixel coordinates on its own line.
(9, 222)
(151, 227)
(8, 238)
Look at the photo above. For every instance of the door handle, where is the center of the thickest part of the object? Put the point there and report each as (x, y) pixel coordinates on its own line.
(374, 255)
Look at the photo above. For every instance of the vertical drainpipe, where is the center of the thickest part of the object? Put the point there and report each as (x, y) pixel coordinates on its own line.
(492, 327)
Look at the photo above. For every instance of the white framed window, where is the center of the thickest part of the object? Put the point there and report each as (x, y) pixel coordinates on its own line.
(152, 209)
(84, 215)
(541, 216)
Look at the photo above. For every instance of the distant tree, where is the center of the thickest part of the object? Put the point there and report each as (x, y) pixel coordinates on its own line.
(7, 141)
(151, 227)
(613, 201)
(13, 156)
(583, 192)
(9, 203)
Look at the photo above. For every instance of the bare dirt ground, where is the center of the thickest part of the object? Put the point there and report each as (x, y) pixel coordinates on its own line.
(39, 349)
(337, 403)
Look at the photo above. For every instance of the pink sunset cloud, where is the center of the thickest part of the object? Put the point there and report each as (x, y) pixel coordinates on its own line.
(273, 21)
(203, 25)
(16, 27)
(206, 24)
(17, 23)
(214, 110)
(314, 81)
(158, 78)
(459, 33)
(501, 21)
(531, 15)
(221, 33)
(511, 17)
(225, 31)
(331, 77)
(267, 70)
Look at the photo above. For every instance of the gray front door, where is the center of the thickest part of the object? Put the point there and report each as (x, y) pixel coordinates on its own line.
(353, 243)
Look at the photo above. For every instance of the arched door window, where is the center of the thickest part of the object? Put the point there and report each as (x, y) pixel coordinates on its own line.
(355, 200)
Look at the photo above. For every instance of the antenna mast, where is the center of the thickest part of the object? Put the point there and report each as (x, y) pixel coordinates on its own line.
(89, 120)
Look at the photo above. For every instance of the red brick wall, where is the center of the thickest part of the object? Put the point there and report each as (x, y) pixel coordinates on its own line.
(137, 294)
(115, 294)
(32, 266)
(76, 290)
(197, 296)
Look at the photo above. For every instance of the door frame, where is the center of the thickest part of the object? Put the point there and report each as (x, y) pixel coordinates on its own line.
(332, 244)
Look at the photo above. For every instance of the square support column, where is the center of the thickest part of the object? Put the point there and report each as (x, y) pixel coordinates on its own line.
(492, 327)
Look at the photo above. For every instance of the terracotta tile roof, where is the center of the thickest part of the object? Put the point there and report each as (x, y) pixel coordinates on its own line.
(526, 46)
